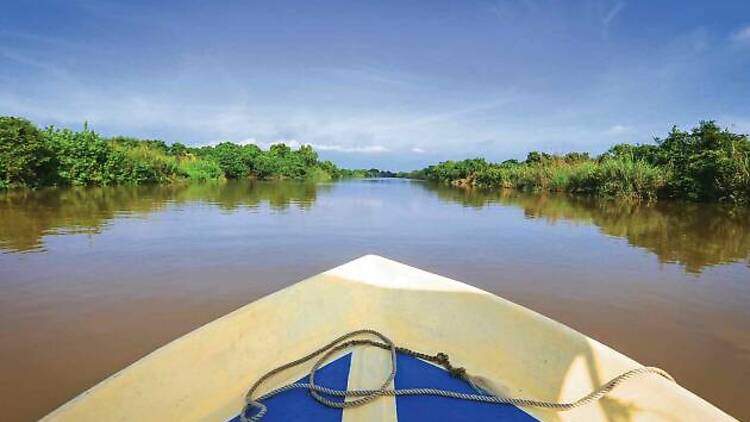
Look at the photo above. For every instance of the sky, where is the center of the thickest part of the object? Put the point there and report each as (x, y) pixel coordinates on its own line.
(388, 84)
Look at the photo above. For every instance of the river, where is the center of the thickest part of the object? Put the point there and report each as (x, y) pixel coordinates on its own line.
(93, 279)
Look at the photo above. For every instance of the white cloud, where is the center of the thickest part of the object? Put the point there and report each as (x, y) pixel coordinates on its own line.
(453, 123)
(294, 144)
(368, 149)
(741, 36)
(617, 130)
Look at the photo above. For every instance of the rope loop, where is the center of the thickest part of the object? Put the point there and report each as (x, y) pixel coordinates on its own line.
(486, 394)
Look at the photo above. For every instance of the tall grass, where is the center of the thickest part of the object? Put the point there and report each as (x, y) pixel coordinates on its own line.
(148, 164)
(631, 178)
(200, 170)
(623, 176)
(707, 163)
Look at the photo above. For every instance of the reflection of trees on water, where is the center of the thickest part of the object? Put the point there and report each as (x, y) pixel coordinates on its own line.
(25, 217)
(693, 234)
(235, 195)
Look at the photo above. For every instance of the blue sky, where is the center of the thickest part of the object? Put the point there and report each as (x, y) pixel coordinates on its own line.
(390, 84)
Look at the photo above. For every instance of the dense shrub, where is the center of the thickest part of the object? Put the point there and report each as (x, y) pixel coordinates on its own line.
(84, 158)
(30, 157)
(25, 155)
(233, 159)
(706, 163)
(200, 170)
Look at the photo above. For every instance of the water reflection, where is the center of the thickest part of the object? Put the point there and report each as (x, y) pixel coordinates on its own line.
(26, 217)
(694, 235)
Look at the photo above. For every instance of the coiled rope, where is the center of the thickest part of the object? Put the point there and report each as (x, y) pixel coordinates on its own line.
(486, 392)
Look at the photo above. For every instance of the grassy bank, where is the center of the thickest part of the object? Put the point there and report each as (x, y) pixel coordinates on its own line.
(706, 163)
(33, 157)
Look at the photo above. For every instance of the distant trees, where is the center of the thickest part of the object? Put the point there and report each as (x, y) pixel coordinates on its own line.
(706, 163)
(369, 173)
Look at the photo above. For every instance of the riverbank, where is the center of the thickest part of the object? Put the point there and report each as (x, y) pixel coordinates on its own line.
(706, 164)
(31, 157)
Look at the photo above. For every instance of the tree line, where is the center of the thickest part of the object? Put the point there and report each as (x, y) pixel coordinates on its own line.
(706, 163)
(34, 157)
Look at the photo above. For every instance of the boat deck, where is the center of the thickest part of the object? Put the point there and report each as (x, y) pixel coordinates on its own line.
(298, 405)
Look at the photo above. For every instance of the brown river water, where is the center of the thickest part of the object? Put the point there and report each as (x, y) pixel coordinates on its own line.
(93, 279)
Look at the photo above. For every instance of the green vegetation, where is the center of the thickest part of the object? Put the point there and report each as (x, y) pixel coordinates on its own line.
(367, 173)
(31, 157)
(706, 163)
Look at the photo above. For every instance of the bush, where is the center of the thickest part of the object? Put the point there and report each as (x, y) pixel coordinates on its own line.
(200, 170)
(232, 159)
(706, 163)
(30, 157)
(25, 156)
(84, 158)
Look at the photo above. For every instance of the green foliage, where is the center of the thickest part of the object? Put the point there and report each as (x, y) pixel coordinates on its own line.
(368, 173)
(536, 157)
(178, 150)
(706, 163)
(200, 170)
(84, 158)
(610, 176)
(457, 171)
(232, 159)
(25, 156)
(308, 155)
(280, 161)
(149, 163)
(628, 177)
(317, 174)
(331, 169)
(31, 157)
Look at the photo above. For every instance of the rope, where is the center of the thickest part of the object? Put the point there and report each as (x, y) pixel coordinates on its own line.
(486, 393)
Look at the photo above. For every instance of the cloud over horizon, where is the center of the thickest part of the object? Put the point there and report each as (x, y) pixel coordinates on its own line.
(390, 85)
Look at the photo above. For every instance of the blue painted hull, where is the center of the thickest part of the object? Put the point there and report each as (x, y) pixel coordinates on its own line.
(298, 405)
